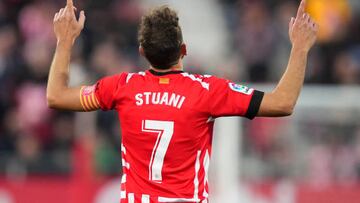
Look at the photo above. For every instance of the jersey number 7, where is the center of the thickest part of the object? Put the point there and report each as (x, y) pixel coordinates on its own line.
(165, 131)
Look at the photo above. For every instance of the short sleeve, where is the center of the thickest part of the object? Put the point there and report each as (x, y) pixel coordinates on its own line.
(107, 89)
(230, 99)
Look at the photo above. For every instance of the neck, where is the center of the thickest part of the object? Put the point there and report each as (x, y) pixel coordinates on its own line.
(176, 67)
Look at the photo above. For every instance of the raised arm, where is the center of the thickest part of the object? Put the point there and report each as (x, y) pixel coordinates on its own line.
(281, 101)
(67, 28)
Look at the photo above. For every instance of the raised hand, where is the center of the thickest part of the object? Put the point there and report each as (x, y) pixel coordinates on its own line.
(303, 29)
(66, 27)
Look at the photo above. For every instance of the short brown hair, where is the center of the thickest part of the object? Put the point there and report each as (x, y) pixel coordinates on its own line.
(161, 38)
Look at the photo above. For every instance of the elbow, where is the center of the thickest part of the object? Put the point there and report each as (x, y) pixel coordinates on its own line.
(288, 112)
(286, 109)
(51, 101)
(285, 105)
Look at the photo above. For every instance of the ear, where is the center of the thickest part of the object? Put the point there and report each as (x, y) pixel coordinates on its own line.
(141, 51)
(183, 50)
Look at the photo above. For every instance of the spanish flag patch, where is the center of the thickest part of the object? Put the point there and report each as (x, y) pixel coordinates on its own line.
(164, 81)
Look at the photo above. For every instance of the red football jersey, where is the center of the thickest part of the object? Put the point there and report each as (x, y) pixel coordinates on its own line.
(167, 123)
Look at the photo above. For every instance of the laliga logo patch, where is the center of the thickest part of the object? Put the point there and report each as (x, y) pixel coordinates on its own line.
(240, 88)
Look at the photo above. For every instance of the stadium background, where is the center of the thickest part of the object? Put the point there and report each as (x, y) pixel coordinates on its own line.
(53, 156)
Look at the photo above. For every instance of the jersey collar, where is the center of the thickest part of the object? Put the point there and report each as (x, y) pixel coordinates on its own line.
(164, 73)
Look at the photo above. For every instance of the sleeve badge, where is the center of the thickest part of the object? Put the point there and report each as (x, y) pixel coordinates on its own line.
(241, 88)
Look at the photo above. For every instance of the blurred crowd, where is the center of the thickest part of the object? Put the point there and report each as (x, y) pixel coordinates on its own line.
(260, 36)
(33, 138)
(305, 149)
(37, 140)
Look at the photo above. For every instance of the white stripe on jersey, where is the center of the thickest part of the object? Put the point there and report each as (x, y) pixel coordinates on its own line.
(131, 198)
(129, 77)
(145, 198)
(206, 169)
(123, 149)
(192, 77)
(125, 164)
(123, 178)
(167, 199)
(196, 179)
(123, 194)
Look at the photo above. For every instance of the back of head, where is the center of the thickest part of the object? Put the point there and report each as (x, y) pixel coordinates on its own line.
(160, 37)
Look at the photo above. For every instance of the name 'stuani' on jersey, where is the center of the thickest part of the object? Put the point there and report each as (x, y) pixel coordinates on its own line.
(160, 98)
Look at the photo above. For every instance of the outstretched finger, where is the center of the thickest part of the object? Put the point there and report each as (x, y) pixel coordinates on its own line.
(301, 9)
(56, 17)
(61, 12)
(67, 11)
(69, 3)
(292, 21)
(82, 19)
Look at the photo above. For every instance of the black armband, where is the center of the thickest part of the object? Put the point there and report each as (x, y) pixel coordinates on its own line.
(254, 105)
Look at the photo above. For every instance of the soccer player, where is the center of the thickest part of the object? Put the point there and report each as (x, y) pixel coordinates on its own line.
(167, 115)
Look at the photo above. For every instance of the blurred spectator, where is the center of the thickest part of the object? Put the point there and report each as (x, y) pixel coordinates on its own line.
(357, 152)
(347, 69)
(255, 39)
(107, 60)
(31, 100)
(319, 171)
(35, 22)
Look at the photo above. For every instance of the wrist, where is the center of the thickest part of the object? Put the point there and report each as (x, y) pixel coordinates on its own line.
(300, 48)
(65, 43)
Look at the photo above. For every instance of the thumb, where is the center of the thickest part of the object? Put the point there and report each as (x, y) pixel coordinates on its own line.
(82, 19)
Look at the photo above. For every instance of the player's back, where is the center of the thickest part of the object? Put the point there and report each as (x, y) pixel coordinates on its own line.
(167, 121)
(166, 136)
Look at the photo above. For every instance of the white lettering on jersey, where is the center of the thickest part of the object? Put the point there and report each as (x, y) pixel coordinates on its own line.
(165, 99)
(160, 98)
(147, 95)
(192, 77)
(181, 102)
(155, 98)
(174, 100)
(139, 100)
(145, 198)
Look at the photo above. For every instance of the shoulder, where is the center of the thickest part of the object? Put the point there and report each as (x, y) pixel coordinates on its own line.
(203, 80)
(134, 75)
(121, 78)
(216, 84)
(206, 81)
(115, 77)
(112, 81)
